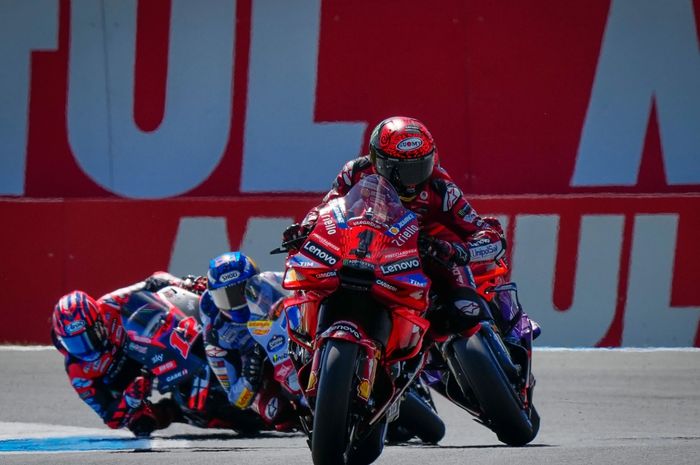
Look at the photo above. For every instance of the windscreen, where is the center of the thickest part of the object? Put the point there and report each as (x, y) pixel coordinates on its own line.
(373, 198)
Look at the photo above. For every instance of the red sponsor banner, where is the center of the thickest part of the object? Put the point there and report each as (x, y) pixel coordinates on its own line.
(641, 242)
(521, 97)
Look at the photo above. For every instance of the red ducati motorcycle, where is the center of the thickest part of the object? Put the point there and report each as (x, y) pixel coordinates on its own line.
(356, 321)
(357, 327)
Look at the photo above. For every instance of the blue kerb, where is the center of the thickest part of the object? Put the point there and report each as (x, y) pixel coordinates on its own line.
(73, 443)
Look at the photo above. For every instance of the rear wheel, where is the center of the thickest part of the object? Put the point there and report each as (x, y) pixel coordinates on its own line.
(370, 448)
(329, 438)
(513, 424)
(416, 418)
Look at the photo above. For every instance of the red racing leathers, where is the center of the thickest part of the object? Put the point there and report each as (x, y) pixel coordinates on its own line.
(113, 385)
(445, 214)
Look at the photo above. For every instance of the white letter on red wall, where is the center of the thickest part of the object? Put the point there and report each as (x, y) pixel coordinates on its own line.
(650, 320)
(182, 152)
(25, 25)
(595, 286)
(649, 51)
(284, 149)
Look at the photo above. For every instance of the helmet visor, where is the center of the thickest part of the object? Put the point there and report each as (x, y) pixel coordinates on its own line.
(407, 172)
(229, 297)
(84, 346)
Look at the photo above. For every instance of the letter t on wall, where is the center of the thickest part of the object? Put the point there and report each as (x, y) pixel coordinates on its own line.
(25, 26)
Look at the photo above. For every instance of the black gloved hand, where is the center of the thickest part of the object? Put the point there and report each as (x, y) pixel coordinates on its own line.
(155, 284)
(447, 253)
(143, 422)
(294, 233)
(253, 365)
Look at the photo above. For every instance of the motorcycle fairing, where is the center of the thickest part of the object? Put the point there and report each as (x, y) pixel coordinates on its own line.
(391, 270)
(161, 335)
(272, 336)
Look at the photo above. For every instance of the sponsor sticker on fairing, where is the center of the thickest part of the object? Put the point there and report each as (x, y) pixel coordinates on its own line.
(405, 219)
(401, 266)
(302, 262)
(400, 239)
(175, 376)
(327, 274)
(358, 264)
(339, 218)
(413, 279)
(326, 242)
(164, 368)
(400, 254)
(319, 252)
(328, 223)
(345, 328)
(386, 285)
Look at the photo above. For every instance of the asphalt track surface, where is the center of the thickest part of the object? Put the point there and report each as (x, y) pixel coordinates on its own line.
(597, 407)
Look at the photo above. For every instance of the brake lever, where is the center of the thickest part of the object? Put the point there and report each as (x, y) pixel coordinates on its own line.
(289, 245)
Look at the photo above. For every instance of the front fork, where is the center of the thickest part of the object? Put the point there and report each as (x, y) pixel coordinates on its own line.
(366, 370)
(367, 364)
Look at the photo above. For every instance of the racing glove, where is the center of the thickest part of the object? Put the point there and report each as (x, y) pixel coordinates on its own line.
(294, 233)
(196, 284)
(252, 367)
(143, 422)
(446, 253)
(137, 392)
(155, 283)
(150, 417)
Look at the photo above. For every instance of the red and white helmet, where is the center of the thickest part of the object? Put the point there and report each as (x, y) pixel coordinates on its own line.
(403, 151)
(79, 327)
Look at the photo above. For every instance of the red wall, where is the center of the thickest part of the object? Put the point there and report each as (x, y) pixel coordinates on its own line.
(512, 91)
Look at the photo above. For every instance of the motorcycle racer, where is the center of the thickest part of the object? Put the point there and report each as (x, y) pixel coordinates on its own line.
(403, 151)
(90, 335)
(237, 293)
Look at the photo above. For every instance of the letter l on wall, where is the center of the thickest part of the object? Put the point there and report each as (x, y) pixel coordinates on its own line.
(284, 150)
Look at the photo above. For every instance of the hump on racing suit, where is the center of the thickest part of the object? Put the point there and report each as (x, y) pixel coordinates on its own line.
(229, 346)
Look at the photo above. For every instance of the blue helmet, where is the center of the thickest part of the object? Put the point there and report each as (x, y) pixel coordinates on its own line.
(226, 281)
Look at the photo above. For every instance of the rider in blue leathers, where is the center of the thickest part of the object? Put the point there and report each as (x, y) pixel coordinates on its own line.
(237, 292)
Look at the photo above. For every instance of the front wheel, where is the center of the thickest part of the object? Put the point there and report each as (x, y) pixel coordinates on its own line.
(329, 438)
(513, 424)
